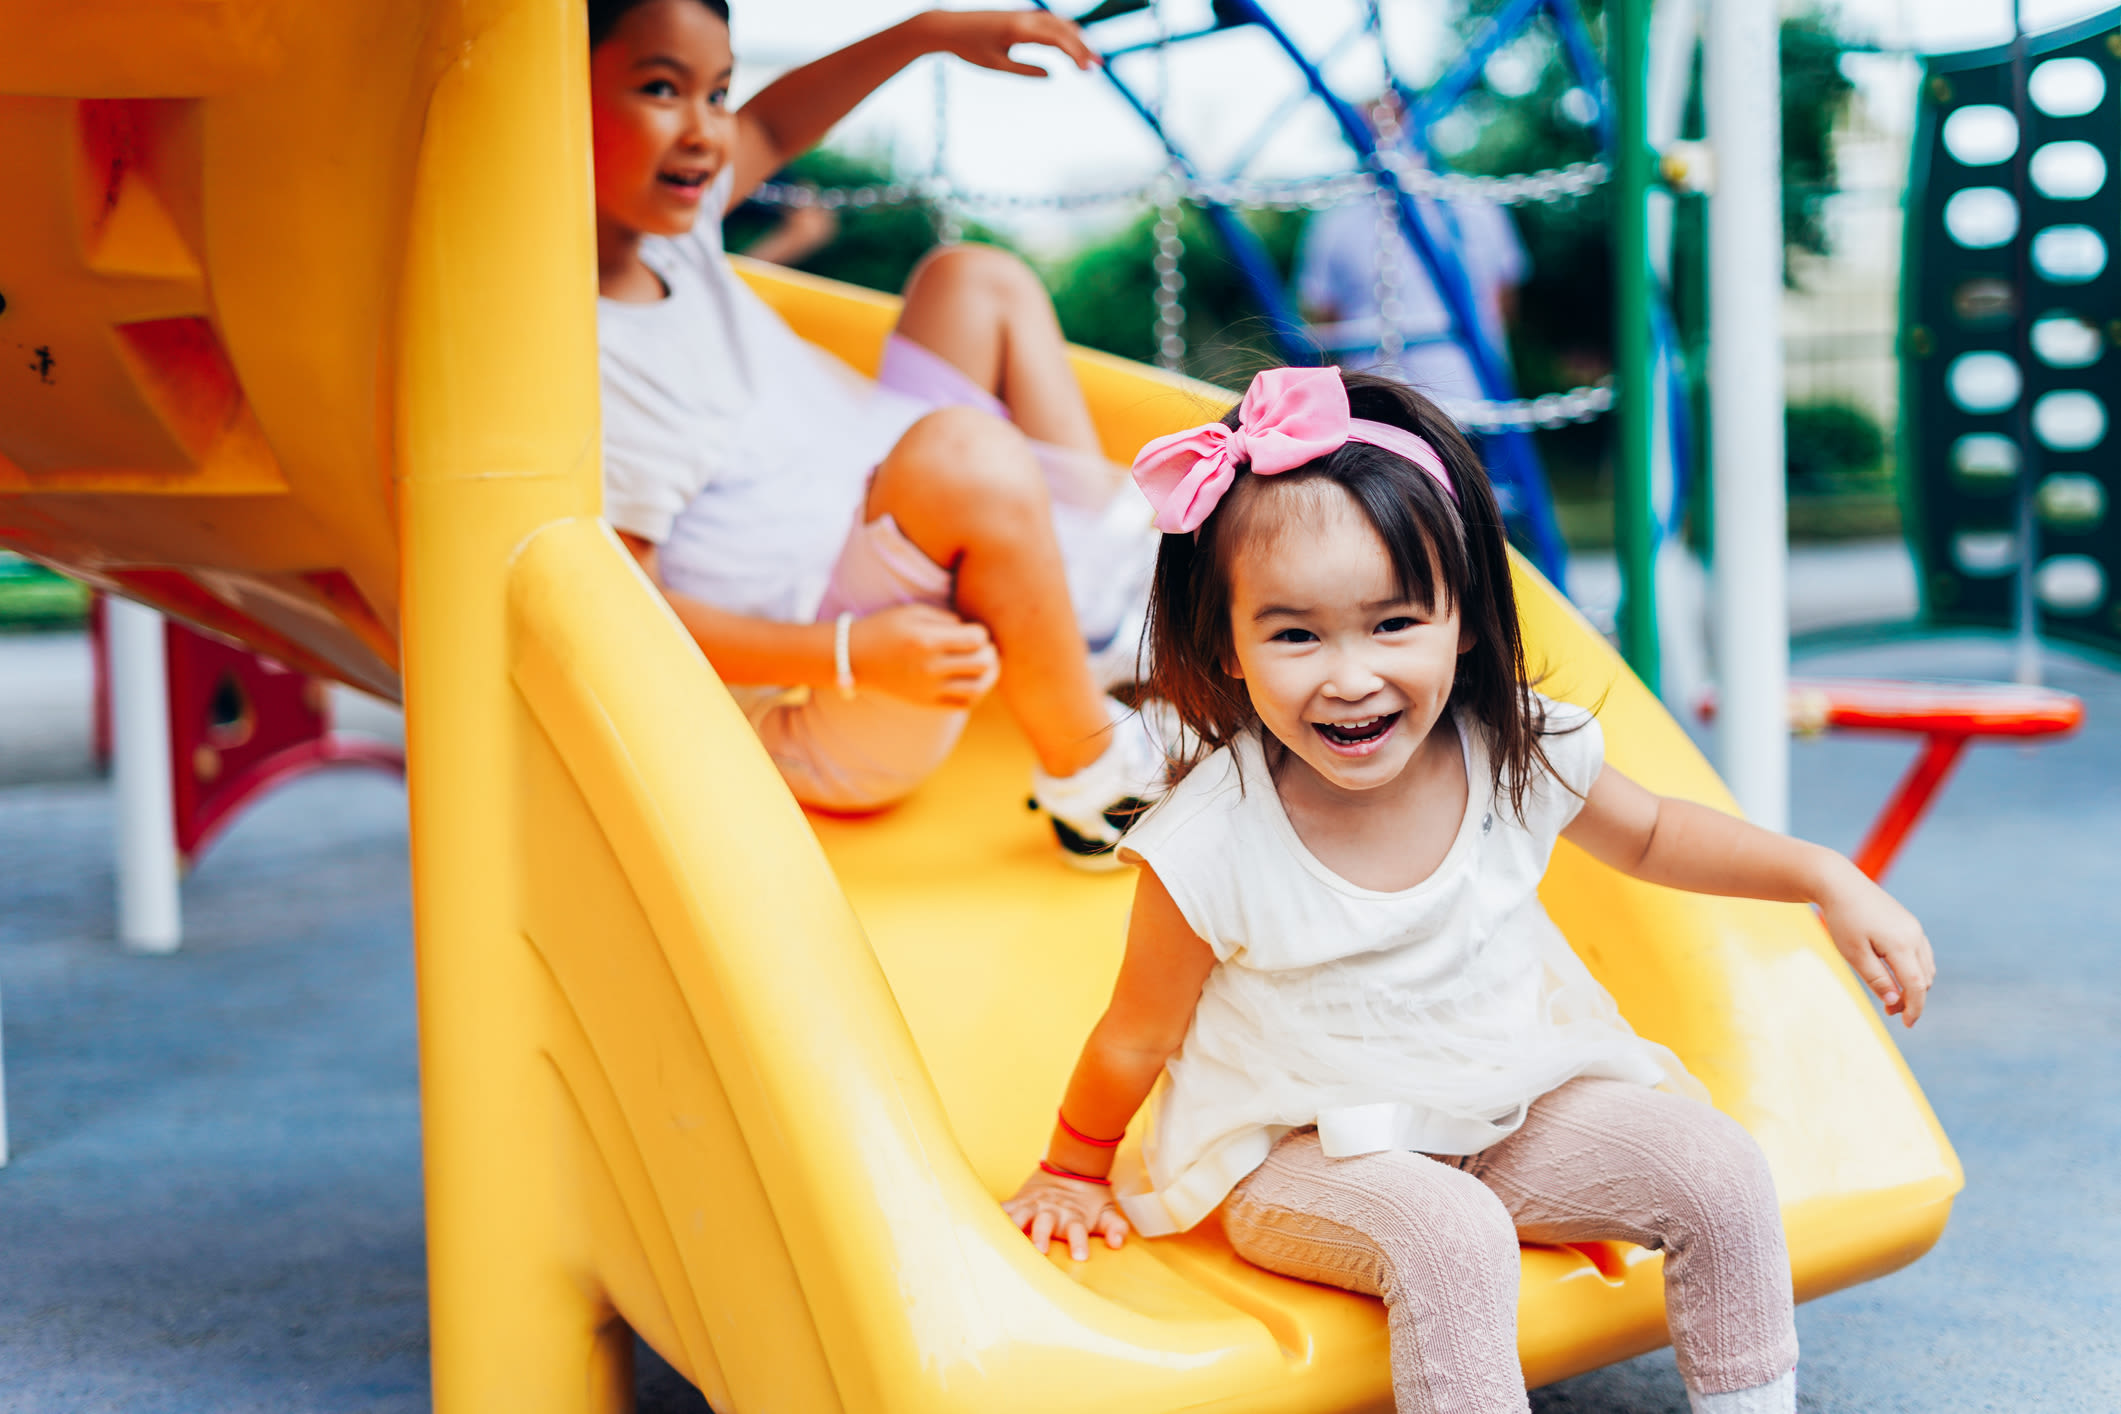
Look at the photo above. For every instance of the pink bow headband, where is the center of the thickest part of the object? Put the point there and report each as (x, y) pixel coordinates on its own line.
(1290, 417)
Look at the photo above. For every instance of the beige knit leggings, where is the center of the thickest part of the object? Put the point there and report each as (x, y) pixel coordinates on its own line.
(1595, 1159)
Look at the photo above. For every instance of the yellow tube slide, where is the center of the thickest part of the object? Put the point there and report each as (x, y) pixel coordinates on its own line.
(303, 294)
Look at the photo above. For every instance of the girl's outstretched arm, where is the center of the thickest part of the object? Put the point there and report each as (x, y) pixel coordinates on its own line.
(1152, 1005)
(1688, 846)
(789, 116)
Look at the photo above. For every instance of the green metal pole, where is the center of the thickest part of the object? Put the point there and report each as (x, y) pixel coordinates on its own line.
(1634, 369)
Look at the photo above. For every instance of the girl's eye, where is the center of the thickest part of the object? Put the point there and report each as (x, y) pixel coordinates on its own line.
(719, 98)
(660, 88)
(1398, 624)
(1294, 635)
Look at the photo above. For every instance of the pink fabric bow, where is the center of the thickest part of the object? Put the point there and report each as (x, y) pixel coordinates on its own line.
(1290, 416)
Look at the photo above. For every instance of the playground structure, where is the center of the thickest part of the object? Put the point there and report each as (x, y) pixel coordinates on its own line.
(207, 728)
(2010, 308)
(308, 291)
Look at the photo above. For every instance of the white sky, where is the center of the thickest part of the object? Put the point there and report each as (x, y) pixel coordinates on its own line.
(1071, 132)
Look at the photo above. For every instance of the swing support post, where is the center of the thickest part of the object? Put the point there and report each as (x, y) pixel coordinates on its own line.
(1635, 357)
(1743, 84)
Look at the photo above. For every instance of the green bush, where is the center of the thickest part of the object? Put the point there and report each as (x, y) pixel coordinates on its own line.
(32, 596)
(1831, 447)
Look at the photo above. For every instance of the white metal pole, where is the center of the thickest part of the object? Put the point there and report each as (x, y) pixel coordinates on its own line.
(1744, 109)
(149, 919)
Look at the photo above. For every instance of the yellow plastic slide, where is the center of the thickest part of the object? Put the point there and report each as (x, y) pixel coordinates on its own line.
(298, 342)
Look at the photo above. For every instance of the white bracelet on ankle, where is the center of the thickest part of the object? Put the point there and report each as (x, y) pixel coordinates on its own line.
(842, 657)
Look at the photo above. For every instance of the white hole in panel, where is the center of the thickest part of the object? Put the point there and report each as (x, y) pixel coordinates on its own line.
(1983, 382)
(2067, 341)
(1984, 554)
(1985, 460)
(2071, 500)
(1981, 218)
(2067, 171)
(2070, 584)
(2069, 255)
(1981, 135)
(2069, 421)
(2066, 88)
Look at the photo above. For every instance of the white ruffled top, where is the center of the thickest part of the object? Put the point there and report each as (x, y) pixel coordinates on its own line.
(1426, 1018)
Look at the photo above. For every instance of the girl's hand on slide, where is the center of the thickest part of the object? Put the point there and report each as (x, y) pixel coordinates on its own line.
(1882, 941)
(984, 37)
(1047, 1206)
(924, 654)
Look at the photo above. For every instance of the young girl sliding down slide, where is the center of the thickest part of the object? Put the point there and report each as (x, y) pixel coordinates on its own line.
(1384, 1062)
(877, 556)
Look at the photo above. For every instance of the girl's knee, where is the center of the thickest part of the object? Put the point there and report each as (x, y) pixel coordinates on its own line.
(971, 461)
(971, 267)
(1720, 1178)
(1421, 1206)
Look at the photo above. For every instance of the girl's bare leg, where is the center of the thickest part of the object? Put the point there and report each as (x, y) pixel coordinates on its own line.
(984, 310)
(965, 488)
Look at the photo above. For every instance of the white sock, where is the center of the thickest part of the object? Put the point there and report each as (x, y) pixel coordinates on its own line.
(1775, 1397)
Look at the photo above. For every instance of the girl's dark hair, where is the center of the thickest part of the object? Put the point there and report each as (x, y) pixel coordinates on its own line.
(1443, 553)
(604, 16)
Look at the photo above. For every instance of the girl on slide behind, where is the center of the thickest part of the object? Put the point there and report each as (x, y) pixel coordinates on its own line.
(862, 561)
(1384, 1063)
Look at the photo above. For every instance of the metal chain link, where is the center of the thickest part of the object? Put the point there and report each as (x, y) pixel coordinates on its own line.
(1384, 257)
(948, 229)
(1549, 410)
(1284, 194)
(1170, 282)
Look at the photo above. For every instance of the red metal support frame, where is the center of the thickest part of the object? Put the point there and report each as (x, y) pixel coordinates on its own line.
(1910, 801)
(240, 724)
(1947, 715)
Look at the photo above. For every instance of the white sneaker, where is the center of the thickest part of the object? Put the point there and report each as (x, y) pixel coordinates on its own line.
(1091, 809)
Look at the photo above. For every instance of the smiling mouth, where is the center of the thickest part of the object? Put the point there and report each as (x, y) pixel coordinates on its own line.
(684, 181)
(1356, 734)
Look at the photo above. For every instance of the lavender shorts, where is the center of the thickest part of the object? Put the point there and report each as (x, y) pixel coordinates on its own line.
(870, 752)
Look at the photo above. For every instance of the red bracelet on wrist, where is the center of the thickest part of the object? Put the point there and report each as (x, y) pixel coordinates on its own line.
(1081, 1138)
(1048, 1166)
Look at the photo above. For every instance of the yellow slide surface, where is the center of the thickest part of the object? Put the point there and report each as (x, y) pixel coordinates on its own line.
(298, 343)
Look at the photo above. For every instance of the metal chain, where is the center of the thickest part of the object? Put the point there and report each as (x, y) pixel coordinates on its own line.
(1384, 258)
(1523, 414)
(1289, 194)
(948, 230)
(1170, 281)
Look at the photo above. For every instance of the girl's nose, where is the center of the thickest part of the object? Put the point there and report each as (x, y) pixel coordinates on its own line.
(1350, 678)
(706, 130)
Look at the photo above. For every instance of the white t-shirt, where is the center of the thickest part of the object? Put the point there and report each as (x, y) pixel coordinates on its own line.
(1337, 265)
(1426, 1018)
(740, 449)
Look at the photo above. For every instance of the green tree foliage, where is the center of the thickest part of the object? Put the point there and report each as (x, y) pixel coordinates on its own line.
(1105, 294)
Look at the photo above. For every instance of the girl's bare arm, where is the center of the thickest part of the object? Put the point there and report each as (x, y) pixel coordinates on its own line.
(792, 114)
(1687, 846)
(1152, 1004)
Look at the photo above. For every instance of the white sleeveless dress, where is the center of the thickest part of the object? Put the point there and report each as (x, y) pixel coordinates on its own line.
(1426, 1019)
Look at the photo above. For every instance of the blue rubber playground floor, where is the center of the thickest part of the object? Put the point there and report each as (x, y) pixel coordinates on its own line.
(214, 1199)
